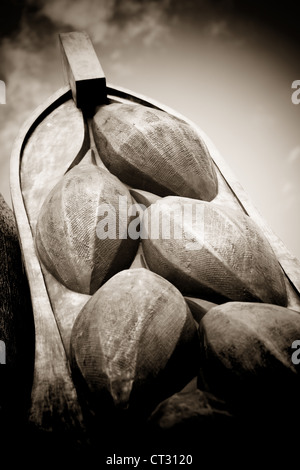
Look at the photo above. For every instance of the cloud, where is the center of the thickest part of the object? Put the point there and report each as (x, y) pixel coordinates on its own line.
(294, 155)
(90, 15)
(218, 28)
(30, 57)
(287, 188)
(262, 117)
(111, 20)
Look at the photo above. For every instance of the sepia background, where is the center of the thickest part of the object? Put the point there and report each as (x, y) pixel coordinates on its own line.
(227, 65)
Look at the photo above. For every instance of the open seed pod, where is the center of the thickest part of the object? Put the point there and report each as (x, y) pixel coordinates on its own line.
(211, 252)
(247, 358)
(134, 343)
(80, 228)
(154, 151)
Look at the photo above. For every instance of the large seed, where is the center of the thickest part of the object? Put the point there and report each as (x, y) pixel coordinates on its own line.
(211, 252)
(78, 236)
(190, 415)
(135, 342)
(154, 151)
(249, 357)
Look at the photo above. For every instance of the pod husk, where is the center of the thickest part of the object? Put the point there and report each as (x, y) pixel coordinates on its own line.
(67, 241)
(134, 343)
(247, 358)
(154, 151)
(219, 254)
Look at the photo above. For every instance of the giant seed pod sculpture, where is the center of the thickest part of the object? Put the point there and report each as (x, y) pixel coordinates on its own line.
(135, 341)
(230, 260)
(248, 357)
(67, 236)
(154, 151)
(211, 252)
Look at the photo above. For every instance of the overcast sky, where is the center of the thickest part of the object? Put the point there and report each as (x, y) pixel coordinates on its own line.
(227, 65)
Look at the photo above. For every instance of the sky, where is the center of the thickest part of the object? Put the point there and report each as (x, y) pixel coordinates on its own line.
(227, 65)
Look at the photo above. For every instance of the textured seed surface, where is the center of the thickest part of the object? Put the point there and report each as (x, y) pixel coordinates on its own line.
(126, 335)
(216, 253)
(66, 237)
(248, 355)
(154, 151)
